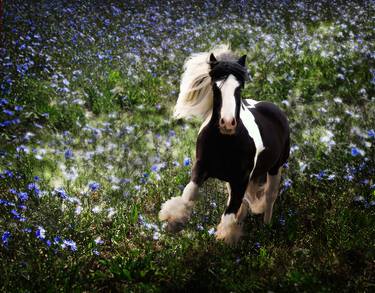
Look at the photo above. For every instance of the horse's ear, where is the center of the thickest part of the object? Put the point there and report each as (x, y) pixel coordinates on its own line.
(213, 60)
(242, 60)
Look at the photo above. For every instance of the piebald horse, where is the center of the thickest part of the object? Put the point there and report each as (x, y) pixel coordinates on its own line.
(241, 141)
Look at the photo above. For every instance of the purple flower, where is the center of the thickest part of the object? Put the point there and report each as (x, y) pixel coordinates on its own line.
(371, 133)
(40, 233)
(94, 186)
(5, 237)
(23, 196)
(288, 183)
(8, 173)
(68, 154)
(187, 162)
(17, 215)
(34, 187)
(68, 243)
(8, 112)
(355, 152)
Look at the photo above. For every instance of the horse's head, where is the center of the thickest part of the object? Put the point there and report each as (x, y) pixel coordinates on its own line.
(228, 79)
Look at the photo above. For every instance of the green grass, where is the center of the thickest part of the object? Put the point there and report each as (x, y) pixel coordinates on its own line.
(115, 118)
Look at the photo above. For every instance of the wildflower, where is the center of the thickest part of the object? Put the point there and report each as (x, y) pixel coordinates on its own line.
(95, 251)
(94, 186)
(371, 133)
(57, 240)
(17, 215)
(156, 235)
(111, 212)
(5, 237)
(40, 233)
(8, 112)
(356, 151)
(98, 240)
(257, 245)
(282, 220)
(23, 196)
(211, 231)
(96, 209)
(23, 148)
(288, 183)
(186, 162)
(68, 243)
(68, 154)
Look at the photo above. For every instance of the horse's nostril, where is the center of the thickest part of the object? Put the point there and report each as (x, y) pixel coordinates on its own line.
(233, 122)
(222, 121)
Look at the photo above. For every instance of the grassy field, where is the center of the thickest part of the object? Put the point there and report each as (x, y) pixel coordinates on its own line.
(89, 152)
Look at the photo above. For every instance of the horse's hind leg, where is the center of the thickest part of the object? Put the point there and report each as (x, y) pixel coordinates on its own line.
(255, 196)
(271, 191)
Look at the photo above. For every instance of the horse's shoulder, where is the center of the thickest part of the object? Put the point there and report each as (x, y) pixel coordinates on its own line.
(270, 110)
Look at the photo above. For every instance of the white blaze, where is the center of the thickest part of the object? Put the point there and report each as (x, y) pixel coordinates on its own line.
(228, 107)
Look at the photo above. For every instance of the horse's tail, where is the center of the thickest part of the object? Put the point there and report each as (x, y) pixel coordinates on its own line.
(196, 97)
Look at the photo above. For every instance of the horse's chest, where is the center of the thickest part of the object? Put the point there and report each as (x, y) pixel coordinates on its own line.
(228, 158)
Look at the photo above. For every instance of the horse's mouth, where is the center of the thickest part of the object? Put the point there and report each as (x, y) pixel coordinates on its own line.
(227, 131)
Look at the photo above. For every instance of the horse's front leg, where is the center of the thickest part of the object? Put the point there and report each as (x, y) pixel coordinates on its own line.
(177, 210)
(230, 228)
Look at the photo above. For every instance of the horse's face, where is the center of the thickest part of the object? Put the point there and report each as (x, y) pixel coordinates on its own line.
(227, 83)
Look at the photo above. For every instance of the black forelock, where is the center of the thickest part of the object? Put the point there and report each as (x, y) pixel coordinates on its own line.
(222, 69)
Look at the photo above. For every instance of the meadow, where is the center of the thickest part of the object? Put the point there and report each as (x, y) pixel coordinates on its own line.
(89, 150)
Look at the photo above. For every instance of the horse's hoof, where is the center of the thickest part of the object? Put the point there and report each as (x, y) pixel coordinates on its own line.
(229, 230)
(174, 227)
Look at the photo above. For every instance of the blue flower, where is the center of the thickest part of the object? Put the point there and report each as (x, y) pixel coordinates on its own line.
(187, 162)
(5, 237)
(94, 186)
(33, 187)
(40, 233)
(355, 152)
(57, 239)
(69, 244)
(371, 133)
(68, 154)
(8, 112)
(288, 183)
(8, 173)
(17, 215)
(6, 202)
(3, 102)
(23, 196)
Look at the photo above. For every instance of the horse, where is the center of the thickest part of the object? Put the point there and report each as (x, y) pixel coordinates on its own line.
(241, 141)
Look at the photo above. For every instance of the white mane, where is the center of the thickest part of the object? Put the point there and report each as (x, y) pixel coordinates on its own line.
(196, 97)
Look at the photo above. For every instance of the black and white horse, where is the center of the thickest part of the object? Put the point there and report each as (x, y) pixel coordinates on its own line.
(242, 142)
